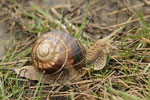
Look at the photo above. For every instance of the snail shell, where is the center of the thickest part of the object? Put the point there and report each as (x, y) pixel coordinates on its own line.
(56, 50)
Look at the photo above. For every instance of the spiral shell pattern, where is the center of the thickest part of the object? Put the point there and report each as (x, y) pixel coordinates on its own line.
(55, 50)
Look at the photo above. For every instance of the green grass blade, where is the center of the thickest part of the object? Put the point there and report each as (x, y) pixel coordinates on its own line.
(141, 17)
(11, 94)
(125, 95)
(2, 90)
(72, 95)
(23, 53)
(47, 15)
(13, 52)
(83, 22)
(38, 85)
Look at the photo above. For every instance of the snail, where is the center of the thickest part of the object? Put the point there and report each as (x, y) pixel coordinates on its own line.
(62, 57)
(56, 50)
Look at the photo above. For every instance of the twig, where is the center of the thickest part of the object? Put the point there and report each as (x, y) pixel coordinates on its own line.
(15, 62)
(145, 27)
(127, 22)
(75, 8)
(124, 9)
(146, 2)
(116, 31)
(65, 19)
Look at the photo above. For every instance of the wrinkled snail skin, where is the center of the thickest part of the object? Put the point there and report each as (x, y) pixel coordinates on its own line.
(56, 50)
(97, 54)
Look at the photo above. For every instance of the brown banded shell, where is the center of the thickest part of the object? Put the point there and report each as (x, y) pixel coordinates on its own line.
(56, 50)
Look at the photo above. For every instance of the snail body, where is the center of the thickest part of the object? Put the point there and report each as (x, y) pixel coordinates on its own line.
(57, 50)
